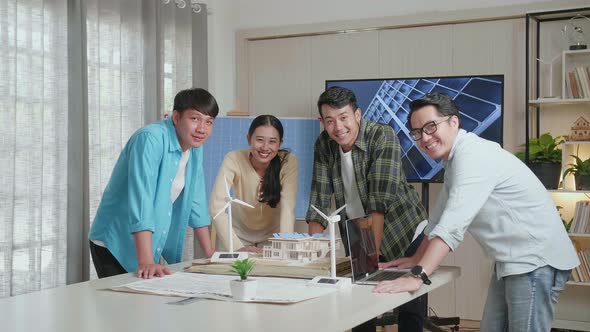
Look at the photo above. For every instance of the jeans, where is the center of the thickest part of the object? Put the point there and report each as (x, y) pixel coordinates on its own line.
(523, 302)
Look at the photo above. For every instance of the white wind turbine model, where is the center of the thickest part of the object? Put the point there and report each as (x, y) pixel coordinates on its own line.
(333, 280)
(231, 255)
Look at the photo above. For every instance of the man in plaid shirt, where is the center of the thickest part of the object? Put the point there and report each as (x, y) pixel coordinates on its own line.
(359, 163)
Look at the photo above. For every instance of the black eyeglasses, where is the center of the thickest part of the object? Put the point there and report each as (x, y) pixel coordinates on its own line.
(429, 129)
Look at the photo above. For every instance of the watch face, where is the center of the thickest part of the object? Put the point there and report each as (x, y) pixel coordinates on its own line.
(416, 270)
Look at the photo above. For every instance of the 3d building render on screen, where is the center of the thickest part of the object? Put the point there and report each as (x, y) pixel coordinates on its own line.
(479, 98)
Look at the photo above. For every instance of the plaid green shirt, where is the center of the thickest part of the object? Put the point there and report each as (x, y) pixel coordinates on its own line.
(381, 182)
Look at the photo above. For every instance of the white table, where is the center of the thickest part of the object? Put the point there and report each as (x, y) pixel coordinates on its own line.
(88, 307)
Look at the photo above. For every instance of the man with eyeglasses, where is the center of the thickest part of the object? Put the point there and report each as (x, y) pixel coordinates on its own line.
(429, 128)
(358, 163)
(493, 195)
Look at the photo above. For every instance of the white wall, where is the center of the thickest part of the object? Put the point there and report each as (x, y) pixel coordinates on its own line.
(228, 16)
(268, 13)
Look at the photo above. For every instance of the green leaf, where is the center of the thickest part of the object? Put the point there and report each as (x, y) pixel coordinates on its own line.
(544, 149)
(545, 139)
(580, 167)
(243, 267)
(535, 149)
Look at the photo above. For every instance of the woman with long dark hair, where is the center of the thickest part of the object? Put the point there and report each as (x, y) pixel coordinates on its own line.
(264, 176)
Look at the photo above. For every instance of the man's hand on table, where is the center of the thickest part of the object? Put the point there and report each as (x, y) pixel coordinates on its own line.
(148, 271)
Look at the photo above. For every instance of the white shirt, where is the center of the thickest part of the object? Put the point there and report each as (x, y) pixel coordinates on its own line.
(354, 205)
(493, 195)
(178, 183)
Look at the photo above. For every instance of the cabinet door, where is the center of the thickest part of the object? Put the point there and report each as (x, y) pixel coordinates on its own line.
(279, 77)
(415, 52)
(342, 56)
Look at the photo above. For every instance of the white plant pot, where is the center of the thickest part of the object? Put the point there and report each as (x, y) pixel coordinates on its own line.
(243, 290)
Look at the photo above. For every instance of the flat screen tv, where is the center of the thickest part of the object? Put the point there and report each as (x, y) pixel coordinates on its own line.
(479, 98)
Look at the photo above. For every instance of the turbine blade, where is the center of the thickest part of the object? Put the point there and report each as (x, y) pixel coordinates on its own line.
(320, 213)
(336, 212)
(241, 202)
(218, 213)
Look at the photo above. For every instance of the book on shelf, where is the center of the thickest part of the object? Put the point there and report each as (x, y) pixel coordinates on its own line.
(582, 272)
(584, 82)
(580, 224)
(577, 82)
(584, 264)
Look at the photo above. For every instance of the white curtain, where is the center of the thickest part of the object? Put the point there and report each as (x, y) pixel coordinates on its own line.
(115, 86)
(138, 55)
(33, 145)
(176, 62)
(119, 54)
(176, 57)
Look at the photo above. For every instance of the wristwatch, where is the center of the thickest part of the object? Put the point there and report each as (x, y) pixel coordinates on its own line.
(418, 272)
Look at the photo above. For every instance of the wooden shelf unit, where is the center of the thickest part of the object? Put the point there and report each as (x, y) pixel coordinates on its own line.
(558, 114)
(558, 102)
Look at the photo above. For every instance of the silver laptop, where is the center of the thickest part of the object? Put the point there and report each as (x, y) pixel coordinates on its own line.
(363, 256)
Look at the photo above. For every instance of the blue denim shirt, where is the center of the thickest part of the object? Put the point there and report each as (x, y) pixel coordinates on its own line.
(137, 197)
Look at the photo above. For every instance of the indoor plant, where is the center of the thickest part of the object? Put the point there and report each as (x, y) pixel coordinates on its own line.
(565, 223)
(581, 172)
(545, 159)
(243, 288)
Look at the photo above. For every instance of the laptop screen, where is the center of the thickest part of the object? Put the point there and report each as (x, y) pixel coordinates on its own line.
(361, 246)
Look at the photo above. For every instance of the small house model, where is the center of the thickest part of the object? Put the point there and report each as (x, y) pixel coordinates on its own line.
(297, 247)
(580, 130)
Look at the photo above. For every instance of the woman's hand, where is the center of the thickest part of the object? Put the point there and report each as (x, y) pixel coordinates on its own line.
(210, 252)
(253, 249)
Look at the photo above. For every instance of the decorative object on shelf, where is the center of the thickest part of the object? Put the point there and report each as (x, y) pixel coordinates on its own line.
(549, 64)
(573, 32)
(580, 130)
(581, 172)
(243, 289)
(545, 159)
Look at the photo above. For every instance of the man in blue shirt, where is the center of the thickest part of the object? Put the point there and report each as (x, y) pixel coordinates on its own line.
(156, 190)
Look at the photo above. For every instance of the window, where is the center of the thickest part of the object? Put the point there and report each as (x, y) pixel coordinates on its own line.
(34, 149)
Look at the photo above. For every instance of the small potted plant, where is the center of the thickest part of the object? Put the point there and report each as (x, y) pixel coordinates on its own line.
(244, 288)
(545, 159)
(581, 172)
